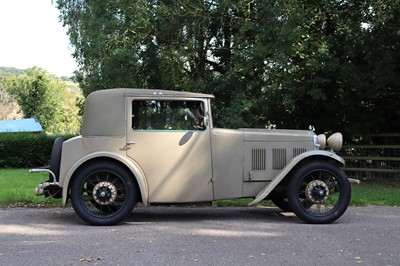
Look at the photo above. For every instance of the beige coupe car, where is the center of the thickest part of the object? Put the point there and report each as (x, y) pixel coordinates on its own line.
(160, 147)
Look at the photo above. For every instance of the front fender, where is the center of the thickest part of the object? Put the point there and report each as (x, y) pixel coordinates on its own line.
(318, 153)
(133, 167)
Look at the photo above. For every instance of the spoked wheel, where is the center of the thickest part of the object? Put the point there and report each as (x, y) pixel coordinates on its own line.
(104, 193)
(319, 192)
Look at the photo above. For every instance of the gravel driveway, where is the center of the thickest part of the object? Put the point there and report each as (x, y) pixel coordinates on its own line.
(200, 236)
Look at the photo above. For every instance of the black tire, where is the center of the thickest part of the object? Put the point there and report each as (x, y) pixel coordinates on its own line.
(104, 193)
(282, 202)
(319, 192)
(55, 158)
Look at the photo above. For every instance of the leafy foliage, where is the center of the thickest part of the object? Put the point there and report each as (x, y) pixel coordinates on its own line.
(26, 149)
(43, 96)
(332, 64)
(9, 108)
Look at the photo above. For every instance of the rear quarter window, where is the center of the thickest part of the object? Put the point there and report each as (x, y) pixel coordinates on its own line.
(167, 115)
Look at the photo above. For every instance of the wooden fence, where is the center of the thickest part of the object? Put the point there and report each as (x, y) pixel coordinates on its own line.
(378, 160)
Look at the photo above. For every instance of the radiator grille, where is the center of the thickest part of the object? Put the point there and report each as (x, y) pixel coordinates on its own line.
(278, 158)
(258, 159)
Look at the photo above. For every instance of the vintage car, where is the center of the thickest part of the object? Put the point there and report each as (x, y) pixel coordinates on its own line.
(160, 147)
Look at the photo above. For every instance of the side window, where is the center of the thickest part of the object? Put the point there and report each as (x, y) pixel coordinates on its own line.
(167, 115)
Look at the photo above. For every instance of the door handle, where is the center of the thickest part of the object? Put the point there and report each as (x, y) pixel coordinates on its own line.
(130, 143)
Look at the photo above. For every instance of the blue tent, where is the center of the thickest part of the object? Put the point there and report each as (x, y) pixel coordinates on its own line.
(22, 125)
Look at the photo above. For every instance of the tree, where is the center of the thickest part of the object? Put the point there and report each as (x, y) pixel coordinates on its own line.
(43, 96)
(182, 45)
(9, 108)
(290, 63)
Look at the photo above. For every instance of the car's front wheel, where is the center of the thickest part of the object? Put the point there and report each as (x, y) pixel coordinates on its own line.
(319, 192)
(281, 201)
(104, 193)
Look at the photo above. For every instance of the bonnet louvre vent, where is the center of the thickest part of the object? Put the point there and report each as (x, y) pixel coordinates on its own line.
(297, 151)
(258, 159)
(278, 158)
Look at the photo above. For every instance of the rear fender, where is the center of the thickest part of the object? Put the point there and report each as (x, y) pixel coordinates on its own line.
(132, 166)
(319, 153)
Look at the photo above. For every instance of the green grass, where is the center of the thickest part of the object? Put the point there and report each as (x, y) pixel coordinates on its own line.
(17, 189)
(368, 193)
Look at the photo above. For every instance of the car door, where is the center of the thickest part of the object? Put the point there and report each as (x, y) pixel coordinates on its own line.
(169, 140)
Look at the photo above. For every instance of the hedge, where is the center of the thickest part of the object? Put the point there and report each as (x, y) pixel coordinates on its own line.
(26, 150)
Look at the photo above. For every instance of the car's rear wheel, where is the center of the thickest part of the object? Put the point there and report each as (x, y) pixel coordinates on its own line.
(104, 193)
(319, 192)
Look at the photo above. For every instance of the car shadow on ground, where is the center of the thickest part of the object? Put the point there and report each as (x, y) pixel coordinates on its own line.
(187, 214)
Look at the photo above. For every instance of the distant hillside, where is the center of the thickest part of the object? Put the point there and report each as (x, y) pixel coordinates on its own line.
(11, 71)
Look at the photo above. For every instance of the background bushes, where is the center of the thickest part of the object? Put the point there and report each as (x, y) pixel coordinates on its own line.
(26, 150)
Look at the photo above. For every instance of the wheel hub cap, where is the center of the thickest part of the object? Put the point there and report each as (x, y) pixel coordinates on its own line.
(104, 193)
(317, 191)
